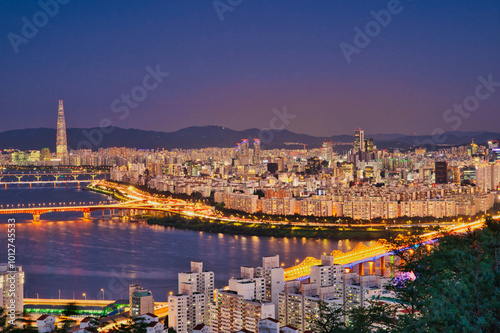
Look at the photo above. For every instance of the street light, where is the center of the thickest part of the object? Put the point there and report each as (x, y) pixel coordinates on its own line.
(102, 294)
(37, 296)
(84, 295)
(59, 293)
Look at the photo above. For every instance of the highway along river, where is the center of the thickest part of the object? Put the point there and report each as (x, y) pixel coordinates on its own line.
(64, 252)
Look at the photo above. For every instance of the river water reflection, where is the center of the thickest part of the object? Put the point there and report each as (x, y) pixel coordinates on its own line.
(76, 256)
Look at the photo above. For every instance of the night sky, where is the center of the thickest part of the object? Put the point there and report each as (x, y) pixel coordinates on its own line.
(263, 55)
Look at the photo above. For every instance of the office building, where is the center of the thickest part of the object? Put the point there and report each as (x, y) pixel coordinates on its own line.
(359, 141)
(441, 172)
(141, 300)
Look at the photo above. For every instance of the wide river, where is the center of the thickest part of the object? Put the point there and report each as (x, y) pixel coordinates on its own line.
(64, 252)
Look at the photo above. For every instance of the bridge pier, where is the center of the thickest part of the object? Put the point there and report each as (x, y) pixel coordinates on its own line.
(86, 215)
(36, 217)
(382, 266)
(371, 267)
(120, 213)
(361, 269)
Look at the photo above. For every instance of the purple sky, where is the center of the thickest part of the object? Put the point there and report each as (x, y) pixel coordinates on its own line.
(263, 55)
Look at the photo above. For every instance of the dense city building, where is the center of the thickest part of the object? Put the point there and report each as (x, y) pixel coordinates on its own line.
(361, 183)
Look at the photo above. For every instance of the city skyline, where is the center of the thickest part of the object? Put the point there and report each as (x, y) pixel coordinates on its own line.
(234, 72)
(250, 166)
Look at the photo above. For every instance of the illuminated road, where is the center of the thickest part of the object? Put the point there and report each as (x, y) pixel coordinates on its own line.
(142, 201)
(204, 211)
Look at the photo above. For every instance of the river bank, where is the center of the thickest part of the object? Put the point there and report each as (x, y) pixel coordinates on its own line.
(272, 230)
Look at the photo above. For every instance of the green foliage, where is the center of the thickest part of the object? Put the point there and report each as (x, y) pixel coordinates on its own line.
(329, 319)
(375, 318)
(70, 310)
(457, 285)
(456, 288)
(5, 327)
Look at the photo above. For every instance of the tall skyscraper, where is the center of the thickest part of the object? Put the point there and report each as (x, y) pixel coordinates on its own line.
(61, 141)
(441, 172)
(359, 141)
(328, 151)
(256, 151)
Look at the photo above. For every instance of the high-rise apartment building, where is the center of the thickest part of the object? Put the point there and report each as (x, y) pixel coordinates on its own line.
(188, 308)
(488, 176)
(232, 312)
(299, 302)
(300, 308)
(61, 140)
(201, 281)
(250, 298)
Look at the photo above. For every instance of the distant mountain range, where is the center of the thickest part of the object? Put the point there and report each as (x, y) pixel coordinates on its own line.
(217, 136)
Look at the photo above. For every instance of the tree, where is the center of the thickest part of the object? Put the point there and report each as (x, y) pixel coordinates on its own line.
(4, 327)
(450, 287)
(329, 319)
(377, 317)
(494, 227)
(409, 292)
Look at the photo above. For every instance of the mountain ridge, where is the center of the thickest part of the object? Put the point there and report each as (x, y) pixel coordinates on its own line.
(217, 136)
